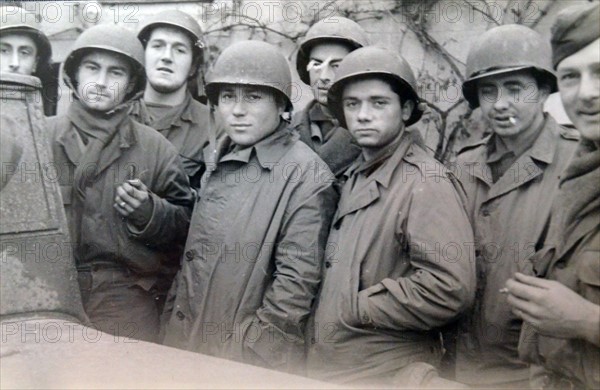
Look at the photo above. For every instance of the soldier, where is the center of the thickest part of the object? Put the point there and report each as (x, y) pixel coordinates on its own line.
(125, 192)
(510, 178)
(561, 331)
(24, 48)
(400, 265)
(252, 261)
(325, 45)
(174, 53)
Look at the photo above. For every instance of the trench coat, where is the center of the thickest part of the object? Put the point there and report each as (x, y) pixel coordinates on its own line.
(571, 256)
(252, 261)
(510, 219)
(400, 265)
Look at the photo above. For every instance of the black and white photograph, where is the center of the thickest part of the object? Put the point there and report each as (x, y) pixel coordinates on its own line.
(300, 194)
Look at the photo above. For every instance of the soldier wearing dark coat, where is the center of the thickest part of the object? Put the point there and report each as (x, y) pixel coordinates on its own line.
(125, 192)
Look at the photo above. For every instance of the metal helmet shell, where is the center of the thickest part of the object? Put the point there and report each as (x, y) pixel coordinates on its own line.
(503, 49)
(339, 29)
(251, 63)
(113, 39)
(17, 20)
(379, 63)
(177, 19)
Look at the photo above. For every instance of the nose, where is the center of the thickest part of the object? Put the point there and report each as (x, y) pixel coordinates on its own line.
(590, 87)
(326, 74)
(102, 79)
(364, 113)
(14, 61)
(503, 99)
(239, 107)
(167, 54)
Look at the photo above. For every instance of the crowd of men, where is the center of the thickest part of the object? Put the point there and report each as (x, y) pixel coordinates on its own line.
(328, 242)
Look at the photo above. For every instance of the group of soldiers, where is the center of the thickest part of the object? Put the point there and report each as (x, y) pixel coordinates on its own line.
(328, 242)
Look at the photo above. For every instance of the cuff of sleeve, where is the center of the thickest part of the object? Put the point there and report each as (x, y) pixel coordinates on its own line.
(141, 233)
(364, 310)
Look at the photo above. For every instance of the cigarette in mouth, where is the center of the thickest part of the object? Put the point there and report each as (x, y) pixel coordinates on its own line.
(512, 120)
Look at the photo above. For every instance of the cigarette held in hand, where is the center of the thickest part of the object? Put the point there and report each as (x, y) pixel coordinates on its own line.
(503, 290)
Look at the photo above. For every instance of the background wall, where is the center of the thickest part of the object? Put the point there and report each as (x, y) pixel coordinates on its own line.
(433, 35)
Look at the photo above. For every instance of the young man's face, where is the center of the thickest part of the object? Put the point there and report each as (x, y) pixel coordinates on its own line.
(511, 102)
(18, 54)
(103, 80)
(374, 114)
(323, 62)
(169, 59)
(249, 113)
(579, 85)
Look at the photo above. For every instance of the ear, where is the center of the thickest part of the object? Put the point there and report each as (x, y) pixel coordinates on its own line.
(407, 109)
(543, 92)
(131, 85)
(35, 64)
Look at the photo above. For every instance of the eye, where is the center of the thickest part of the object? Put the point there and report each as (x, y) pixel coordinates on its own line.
(156, 45)
(253, 97)
(227, 96)
(117, 73)
(568, 76)
(335, 65)
(25, 52)
(380, 103)
(350, 104)
(182, 50)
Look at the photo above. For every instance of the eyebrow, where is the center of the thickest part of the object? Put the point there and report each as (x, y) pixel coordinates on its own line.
(176, 43)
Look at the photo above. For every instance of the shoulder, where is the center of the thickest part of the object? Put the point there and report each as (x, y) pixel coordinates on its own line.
(475, 148)
(199, 110)
(307, 160)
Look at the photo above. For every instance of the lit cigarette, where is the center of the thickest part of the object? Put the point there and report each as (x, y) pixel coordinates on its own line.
(512, 120)
(503, 290)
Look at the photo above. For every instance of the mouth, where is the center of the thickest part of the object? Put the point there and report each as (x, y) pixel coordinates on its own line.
(505, 120)
(165, 70)
(239, 126)
(365, 131)
(590, 115)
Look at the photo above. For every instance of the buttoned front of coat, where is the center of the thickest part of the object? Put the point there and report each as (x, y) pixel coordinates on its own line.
(399, 265)
(252, 261)
(105, 235)
(510, 219)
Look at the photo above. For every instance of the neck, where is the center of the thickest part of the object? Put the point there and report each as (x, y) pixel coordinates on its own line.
(170, 99)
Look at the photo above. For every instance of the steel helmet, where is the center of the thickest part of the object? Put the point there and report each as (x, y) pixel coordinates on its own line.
(251, 63)
(339, 29)
(373, 61)
(505, 49)
(18, 20)
(110, 38)
(177, 19)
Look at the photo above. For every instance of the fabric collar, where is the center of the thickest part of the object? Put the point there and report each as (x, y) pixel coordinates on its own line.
(96, 125)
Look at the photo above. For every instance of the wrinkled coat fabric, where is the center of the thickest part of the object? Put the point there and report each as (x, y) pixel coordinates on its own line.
(252, 261)
(571, 255)
(510, 220)
(130, 257)
(400, 264)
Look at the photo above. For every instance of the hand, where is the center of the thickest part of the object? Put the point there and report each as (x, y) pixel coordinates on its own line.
(133, 202)
(553, 309)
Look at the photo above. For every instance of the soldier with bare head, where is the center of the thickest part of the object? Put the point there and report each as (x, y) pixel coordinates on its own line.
(511, 178)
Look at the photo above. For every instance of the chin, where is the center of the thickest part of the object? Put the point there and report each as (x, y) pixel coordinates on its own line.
(165, 88)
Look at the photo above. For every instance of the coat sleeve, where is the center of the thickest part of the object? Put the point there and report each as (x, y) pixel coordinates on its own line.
(439, 241)
(298, 260)
(172, 199)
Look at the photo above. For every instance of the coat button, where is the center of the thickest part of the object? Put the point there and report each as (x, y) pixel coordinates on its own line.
(366, 318)
(180, 315)
(189, 255)
(485, 211)
(327, 264)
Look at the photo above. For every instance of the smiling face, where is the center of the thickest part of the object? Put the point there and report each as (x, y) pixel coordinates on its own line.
(374, 114)
(103, 80)
(323, 62)
(579, 85)
(249, 113)
(169, 59)
(512, 103)
(18, 54)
